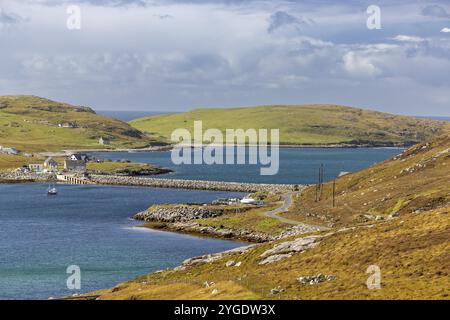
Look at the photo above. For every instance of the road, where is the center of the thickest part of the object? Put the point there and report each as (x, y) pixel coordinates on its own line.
(287, 201)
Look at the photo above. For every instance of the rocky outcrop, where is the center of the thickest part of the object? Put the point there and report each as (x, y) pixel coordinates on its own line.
(209, 258)
(125, 172)
(192, 184)
(298, 229)
(311, 280)
(287, 249)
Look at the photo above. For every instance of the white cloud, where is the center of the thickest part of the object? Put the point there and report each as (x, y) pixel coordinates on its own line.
(445, 30)
(405, 38)
(358, 65)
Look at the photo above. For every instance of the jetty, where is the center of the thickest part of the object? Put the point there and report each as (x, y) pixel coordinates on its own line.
(72, 179)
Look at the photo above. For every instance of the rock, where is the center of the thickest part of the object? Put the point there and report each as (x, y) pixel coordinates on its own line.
(247, 235)
(286, 249)
(297, 230)
(311, 280)
(230, 263)
(297, 245)
(214, 292)
(393, 215)
(209, 258)
(276, 290)
(275, 258)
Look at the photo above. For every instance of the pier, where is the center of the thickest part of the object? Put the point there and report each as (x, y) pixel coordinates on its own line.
(72, 179)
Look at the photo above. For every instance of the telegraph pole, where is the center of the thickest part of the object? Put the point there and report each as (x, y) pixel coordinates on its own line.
(334, 193)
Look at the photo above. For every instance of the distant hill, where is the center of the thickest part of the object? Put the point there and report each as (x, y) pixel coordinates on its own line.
(306, 124)
(36, 124)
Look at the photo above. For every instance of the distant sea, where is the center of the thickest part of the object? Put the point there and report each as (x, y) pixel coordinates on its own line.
(129, 115)
(434, 118)
(297, 165)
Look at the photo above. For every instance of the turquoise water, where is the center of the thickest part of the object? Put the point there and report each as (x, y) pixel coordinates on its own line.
(297, 165)
(88, 226)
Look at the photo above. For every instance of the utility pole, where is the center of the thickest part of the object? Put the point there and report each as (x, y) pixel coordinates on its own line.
(317, 187)
(334, 193)
(321, 181)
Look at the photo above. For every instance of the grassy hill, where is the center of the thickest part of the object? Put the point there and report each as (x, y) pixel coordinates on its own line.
(31, 123)
(305, 124)
(407, 204)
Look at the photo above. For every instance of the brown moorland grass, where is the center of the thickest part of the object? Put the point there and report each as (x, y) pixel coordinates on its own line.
(417, 179)
(412, 253)
(412, 249)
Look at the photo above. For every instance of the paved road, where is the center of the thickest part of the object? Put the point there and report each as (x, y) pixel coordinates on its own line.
(287, 201)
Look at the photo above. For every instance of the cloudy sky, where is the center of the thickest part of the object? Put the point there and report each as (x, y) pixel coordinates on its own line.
(177, 55)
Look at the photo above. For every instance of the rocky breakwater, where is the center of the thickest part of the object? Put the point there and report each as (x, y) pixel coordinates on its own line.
(193, 184)
(179, 213)
(21, 177)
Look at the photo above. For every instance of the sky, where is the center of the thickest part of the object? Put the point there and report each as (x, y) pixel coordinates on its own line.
(177, 55)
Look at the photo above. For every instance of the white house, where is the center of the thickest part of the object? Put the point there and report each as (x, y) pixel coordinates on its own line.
(79, 157)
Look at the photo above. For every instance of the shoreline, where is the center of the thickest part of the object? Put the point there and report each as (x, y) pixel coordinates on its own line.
(191, 228)
(172, 228)
(170, 148)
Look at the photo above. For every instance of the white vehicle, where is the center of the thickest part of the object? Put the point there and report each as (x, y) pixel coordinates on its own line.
(248, 201)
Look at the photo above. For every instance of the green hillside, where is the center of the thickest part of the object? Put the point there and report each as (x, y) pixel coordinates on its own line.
(31, 123)
(305, 124)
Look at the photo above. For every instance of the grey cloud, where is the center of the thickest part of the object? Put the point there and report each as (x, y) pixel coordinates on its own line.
(101, 3)
(163, 16)
(7, 18)
(280, 19)
(435, 11)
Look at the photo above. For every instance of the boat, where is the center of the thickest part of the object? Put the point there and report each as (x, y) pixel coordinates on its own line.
(52, 191)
